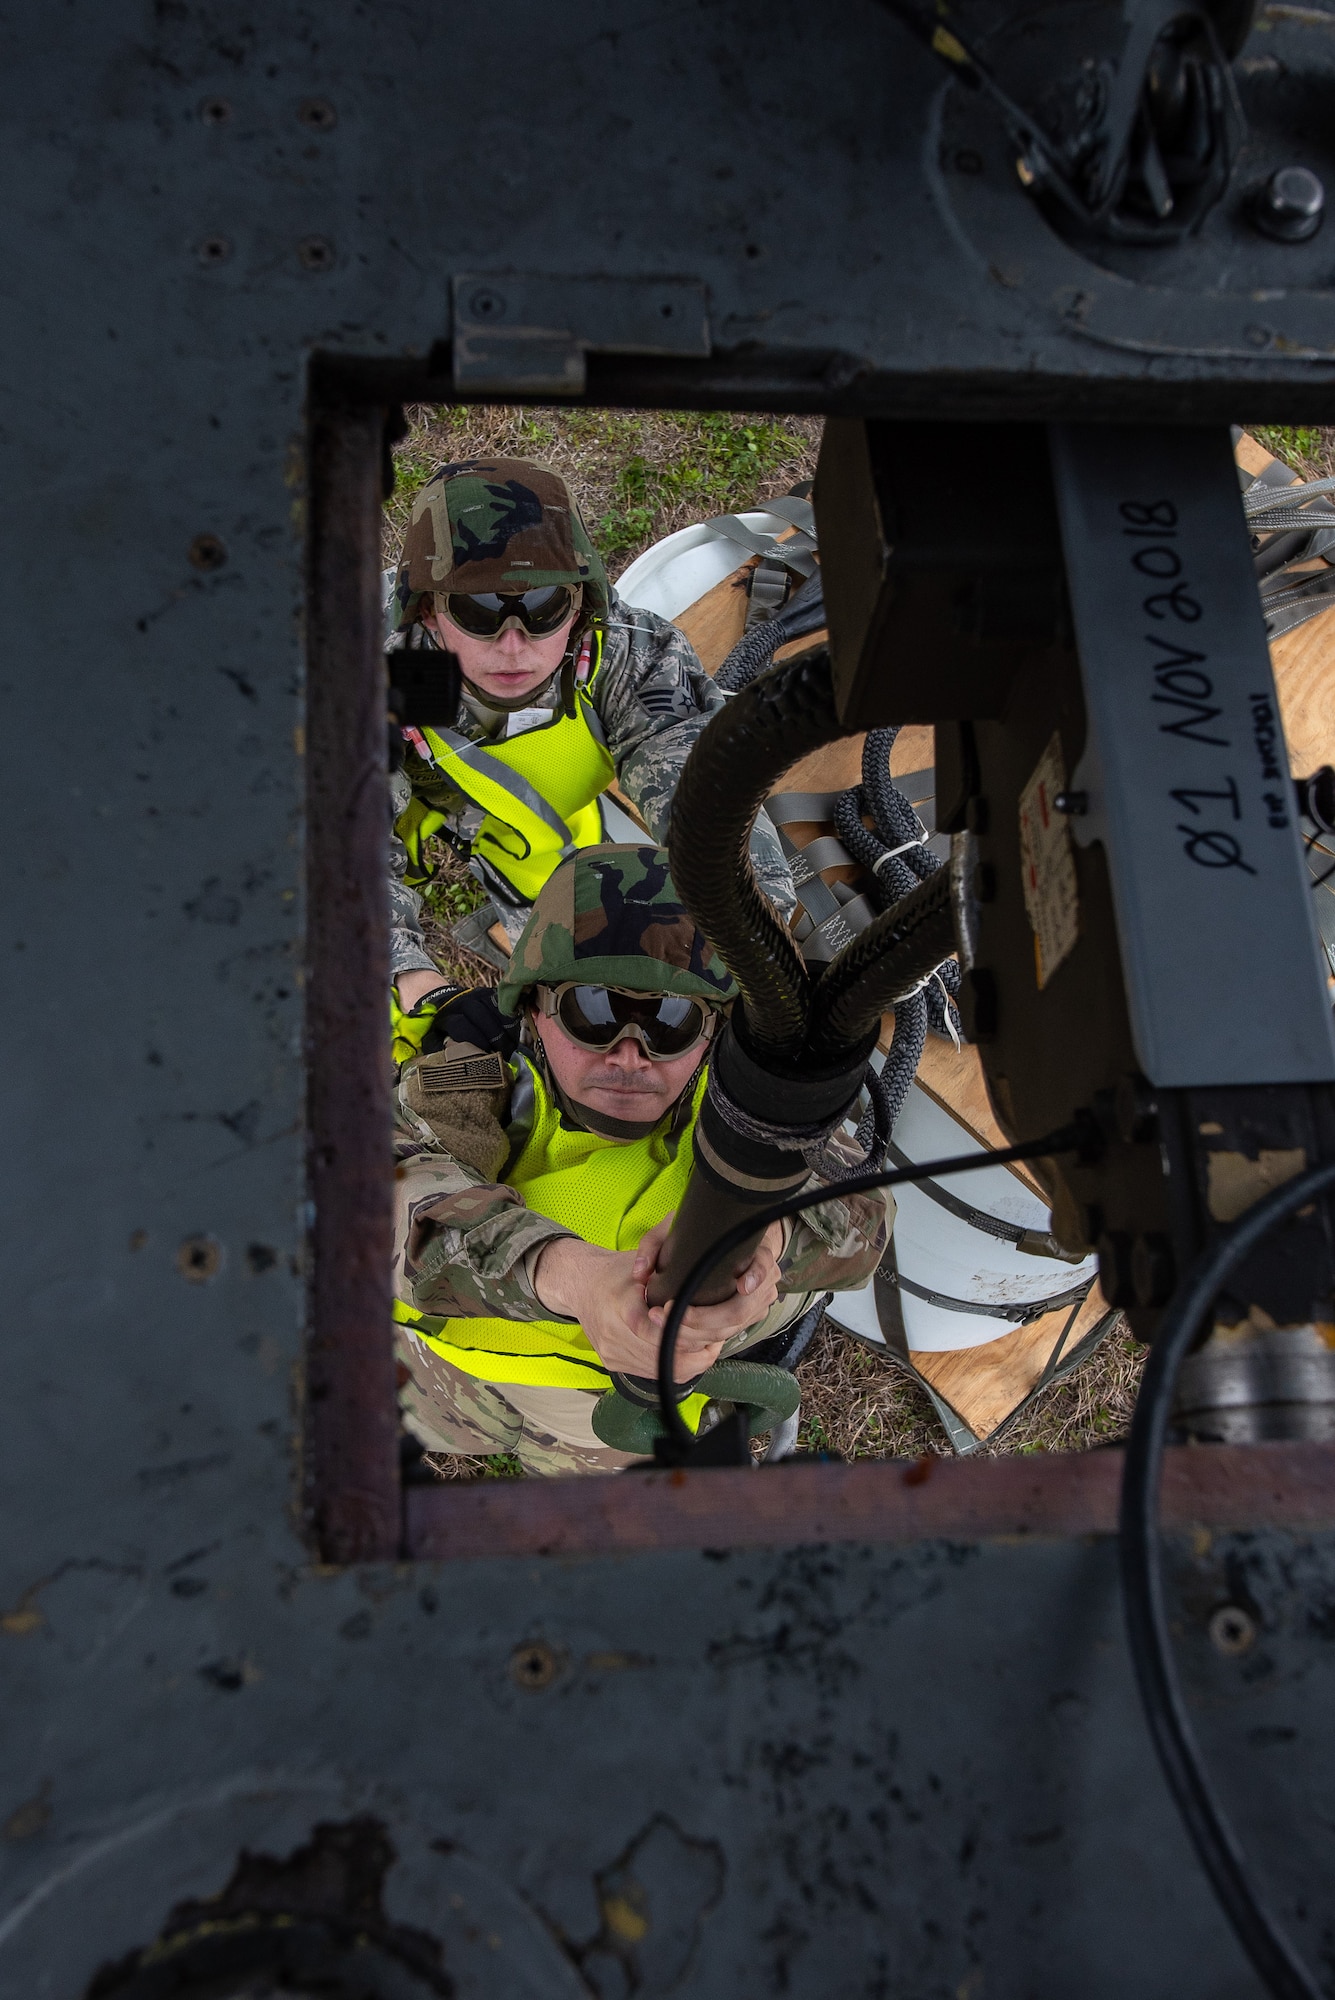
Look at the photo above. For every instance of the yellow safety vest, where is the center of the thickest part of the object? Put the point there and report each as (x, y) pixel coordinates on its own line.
(538, 790)
(607, 1191)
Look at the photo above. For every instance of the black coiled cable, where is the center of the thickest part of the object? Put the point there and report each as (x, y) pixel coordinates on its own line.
(892, 876)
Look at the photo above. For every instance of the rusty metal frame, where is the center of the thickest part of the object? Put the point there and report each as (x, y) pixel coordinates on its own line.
(1215, 1487)
(357, 1509)
(352, 1417)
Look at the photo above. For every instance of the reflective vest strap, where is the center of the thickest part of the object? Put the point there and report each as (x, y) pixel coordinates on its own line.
(495, 786)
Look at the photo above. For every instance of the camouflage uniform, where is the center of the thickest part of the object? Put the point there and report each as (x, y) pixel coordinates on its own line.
(508, 524)
(465, 1243)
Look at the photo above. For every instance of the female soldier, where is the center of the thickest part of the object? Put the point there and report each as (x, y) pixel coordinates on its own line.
(565, 688)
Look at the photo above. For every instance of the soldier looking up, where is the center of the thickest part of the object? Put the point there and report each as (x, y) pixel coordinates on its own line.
(544, 1141)
(565, 689)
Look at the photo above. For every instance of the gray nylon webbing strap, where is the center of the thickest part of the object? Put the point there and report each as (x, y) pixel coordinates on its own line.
(797, 552)
(786, 808)
(858, 913)
(826, 852)
(799, 513)
(917, 785)
(977, 1218)
(475, 757)
(826, 937)
(1017, 1315)
(819, 902)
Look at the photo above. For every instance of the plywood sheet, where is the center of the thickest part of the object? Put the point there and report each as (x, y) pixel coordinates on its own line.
(984, 1384)
(1304, 664)
(716, 621)
(1251, 456)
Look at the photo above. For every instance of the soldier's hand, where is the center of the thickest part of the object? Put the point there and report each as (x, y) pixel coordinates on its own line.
(604, 1291)
(706, 1328)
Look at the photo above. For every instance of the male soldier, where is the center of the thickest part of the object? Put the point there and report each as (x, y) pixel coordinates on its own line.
(565, 688)
(544, 1141)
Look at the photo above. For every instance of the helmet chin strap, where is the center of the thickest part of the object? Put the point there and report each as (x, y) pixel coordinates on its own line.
(609, 1128)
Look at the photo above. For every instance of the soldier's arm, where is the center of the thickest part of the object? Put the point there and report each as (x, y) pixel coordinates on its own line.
(465, 1246)
(836, 1246)
(407, 947)
(654, 698)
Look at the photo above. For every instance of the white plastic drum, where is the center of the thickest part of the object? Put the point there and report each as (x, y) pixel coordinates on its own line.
(944, 1254)
(670, 576)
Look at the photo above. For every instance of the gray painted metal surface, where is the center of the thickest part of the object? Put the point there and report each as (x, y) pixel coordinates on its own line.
(912, 1772)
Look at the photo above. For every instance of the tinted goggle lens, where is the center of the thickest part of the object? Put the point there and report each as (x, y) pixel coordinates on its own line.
(668, 1023)
(482, 613)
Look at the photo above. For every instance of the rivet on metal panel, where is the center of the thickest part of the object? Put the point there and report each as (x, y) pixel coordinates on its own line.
(199, 1259)
(215, 111)
(318, 113)
(315, 253)
(1232, 1630)
(213, 249)
(534, 1665)
(208, 552)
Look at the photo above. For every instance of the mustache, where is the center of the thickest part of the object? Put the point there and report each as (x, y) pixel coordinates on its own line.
(624, 1085)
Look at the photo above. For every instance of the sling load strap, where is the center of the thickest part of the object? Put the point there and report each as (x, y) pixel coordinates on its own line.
(828, 851)
(797, 512)
(787, 808)
(795, 552)
(826, 924)
(1033, 1242)
(1016, 1314)
(771, 582)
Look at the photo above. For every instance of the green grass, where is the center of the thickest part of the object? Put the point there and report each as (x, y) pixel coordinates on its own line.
(453, 897)
(1303, 449)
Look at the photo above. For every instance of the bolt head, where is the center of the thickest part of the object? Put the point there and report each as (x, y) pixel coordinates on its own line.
(1232, 1630)
(1291, 205)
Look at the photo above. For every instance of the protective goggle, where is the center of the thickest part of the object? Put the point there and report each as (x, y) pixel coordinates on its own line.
(483, 613)
(665, 1025)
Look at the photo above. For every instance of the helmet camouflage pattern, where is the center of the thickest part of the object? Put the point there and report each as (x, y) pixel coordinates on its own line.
(496, 524)
(610, 916)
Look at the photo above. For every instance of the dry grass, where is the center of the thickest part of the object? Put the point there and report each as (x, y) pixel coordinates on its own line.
(856, 1404)
(860, 1405)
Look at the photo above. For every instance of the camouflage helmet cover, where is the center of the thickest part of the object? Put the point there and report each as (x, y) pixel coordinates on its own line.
(496, 524)
(611, 917)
